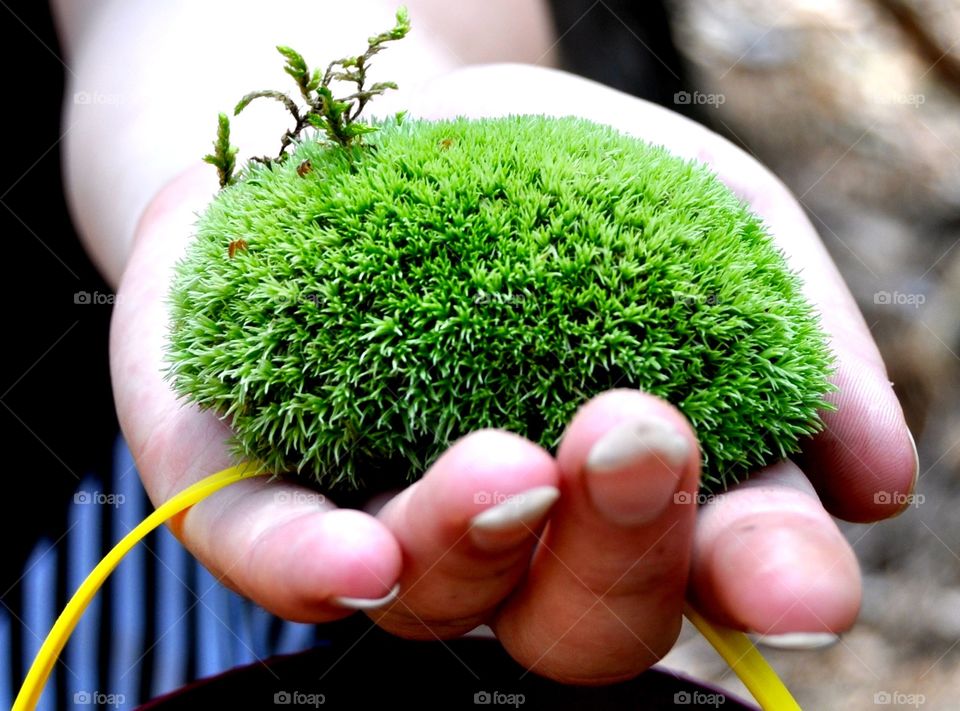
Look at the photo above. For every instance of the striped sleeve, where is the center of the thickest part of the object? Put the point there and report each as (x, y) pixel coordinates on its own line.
(161, 621)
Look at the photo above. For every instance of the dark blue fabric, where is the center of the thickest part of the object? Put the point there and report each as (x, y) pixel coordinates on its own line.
(125, 650)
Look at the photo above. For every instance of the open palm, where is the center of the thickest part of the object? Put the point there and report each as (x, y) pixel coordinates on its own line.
(580, 561)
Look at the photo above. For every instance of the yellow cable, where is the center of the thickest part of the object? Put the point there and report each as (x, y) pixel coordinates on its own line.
(52, 646)
(748, 664)
(734, 647)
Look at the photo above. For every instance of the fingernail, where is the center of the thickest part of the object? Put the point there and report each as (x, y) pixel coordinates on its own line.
(633, 471)
(908, 498)
(916, 461)
(804, 572)
(511, 521)
(364, 603)
(797, 640)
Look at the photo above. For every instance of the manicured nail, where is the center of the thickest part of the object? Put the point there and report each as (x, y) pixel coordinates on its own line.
(797, 640)
(511, 521)
(633, 470)
(364, 603)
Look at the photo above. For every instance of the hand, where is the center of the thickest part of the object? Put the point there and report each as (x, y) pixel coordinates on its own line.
(597, 595)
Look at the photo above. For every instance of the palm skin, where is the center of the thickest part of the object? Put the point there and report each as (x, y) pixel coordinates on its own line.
(541, 569)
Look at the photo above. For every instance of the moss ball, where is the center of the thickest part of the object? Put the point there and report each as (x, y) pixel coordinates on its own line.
(354, 311)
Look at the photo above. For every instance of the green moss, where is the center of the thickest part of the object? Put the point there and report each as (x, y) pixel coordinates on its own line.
(464, 274)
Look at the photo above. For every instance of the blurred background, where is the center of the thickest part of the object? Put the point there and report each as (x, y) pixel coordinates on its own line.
(853, 103)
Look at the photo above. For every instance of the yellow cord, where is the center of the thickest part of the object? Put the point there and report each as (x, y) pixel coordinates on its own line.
(748, 664)
(734, 647)
(52, 646)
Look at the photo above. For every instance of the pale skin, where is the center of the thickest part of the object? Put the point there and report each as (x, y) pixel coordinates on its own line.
(588, 590)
